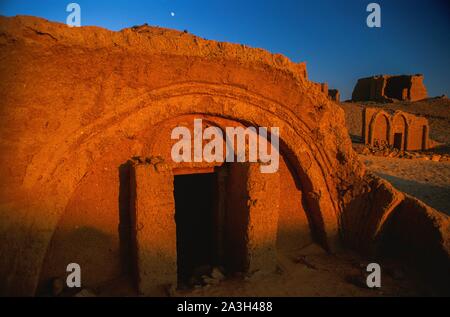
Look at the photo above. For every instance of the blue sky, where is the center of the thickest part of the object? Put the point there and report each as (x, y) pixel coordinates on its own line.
(330, 35)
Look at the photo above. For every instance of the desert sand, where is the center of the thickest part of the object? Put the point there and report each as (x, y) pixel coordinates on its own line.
(428, 181)
(307, 271)
(312, 272)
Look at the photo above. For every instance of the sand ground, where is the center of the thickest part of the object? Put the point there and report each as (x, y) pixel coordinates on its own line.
(308, 271)
(312, 272)
(428, 181)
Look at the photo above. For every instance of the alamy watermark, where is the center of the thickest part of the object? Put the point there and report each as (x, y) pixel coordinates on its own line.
(374, 18)
(74, 18)
(373, 280)
(74, 278)
(252, 145)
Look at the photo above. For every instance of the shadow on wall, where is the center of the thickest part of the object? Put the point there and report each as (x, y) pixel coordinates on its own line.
(68, 249)
(356, 138)
(440, 149)
(384, 222)
(410, 235)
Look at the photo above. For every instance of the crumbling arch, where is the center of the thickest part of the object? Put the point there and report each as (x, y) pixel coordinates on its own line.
(262, 114)
(380, 131)
(154, 137)
(400, 125)
(308, 159)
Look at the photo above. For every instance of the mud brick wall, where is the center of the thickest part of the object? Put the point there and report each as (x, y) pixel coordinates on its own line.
(385, 87)
(383, 126)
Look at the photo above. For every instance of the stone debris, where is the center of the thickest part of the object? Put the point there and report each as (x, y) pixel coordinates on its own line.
(206, 275)
(217, 274)
(391, 152)
(209, 280)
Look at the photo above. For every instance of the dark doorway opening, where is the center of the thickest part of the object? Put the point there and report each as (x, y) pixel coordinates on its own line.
(195, 208)
(126, 225)
(424, 137)
(398, 140)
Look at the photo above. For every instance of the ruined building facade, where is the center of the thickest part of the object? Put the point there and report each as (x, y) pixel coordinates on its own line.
(387, 88)
(333, 94)
(87, 175)
(402, 130)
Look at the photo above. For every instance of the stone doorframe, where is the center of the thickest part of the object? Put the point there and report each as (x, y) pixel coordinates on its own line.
(153, 209)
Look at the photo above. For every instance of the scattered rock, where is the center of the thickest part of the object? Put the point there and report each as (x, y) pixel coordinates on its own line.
(436, 158)
(206, 275)
(217, 274)
(391, 152)
(365, 151)
(195, 280)
(210, 281)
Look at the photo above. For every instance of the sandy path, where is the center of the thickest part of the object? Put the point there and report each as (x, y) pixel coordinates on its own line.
(426, 180)
(320, 274)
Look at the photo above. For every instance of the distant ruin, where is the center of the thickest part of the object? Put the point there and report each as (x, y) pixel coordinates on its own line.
(87, 174)
(332, 94)
(401, 130)
(386, 88)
